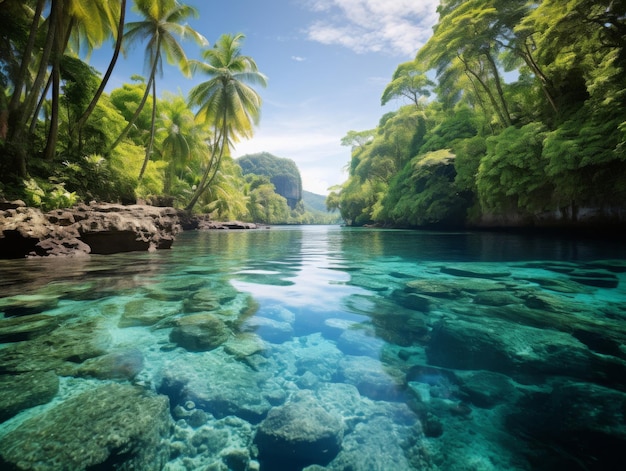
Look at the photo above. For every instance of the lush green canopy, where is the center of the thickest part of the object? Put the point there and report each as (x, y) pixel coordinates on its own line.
(528, 120)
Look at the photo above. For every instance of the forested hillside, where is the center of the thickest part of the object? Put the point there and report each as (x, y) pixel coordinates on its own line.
(275, 190)
(283, 173)
(513, 113)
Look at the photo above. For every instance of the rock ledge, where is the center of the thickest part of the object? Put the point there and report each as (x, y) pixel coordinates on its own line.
(86, 228)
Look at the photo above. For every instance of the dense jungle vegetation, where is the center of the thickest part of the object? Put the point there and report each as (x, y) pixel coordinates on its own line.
(63, 139)
(512, 111)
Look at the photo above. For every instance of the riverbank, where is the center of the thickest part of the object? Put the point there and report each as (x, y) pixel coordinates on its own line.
(96, 228)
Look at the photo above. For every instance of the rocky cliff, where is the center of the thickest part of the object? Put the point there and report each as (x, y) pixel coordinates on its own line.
(283, 173)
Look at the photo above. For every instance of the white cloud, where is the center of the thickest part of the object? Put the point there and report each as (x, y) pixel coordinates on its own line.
(298, 58)
(398, 27)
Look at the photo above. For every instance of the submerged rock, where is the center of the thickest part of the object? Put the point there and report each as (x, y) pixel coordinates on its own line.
(112, 427)
(221, 386)
(22, 328)
(585, 422)
(379, 444)
(244, 345)
(199, 332)
(371, 377)
(117, 365)
(474, 270)
(495, 298)
(298, 434)
(515, 349)
(146, 311)
(60, 351)
(615, 266)
(436, 288)
(486, 389)
(20, 392)
(598, 278)
(271, 330)
(360, 342)
(25, 304)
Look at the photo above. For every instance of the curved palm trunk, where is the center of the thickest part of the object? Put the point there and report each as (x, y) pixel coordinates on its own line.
(19, 118)
(152, 126)
(60, 43)
(28, 52)
(133, 119)
(53, 131)
(206, 181)
(42, 99)
(118, 47)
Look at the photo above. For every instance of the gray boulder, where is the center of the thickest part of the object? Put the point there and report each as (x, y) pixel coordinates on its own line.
(585, 422)
(298, 434)
(84, 229)
(112, 427)
(518, 350)
(20, 392)
(199, 332)
(221, 386)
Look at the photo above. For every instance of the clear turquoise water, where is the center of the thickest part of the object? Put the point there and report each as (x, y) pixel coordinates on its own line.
(362, 324)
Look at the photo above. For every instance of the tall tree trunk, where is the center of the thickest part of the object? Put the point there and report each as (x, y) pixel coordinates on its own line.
(26, 56)
(213, 164)
(60, 42)
(496, 77)
(545, 83)
(20, 116)
(152, 129)
(118, 46)
(53, 131)
(42, 99)
(131, 123)
(492, 99)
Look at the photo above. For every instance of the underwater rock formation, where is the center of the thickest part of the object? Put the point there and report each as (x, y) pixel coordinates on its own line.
(586, 420)
(22, 391)
(199, 332)
(297, 434)
(93, 228)
(111, 427)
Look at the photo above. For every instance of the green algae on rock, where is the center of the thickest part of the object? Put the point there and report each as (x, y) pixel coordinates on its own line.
(23, 391)
(114, 426)
(199, 332)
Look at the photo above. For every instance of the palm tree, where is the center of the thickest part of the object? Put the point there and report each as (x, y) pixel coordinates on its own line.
(226, 102)
(121, 15)
(160, 26)
(75, 23)
(184, 138)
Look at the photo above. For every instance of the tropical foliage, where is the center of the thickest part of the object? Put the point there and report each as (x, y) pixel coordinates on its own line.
(528, 120)
(63, 139)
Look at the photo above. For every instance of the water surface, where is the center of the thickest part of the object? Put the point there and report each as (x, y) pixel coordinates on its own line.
(321, 346)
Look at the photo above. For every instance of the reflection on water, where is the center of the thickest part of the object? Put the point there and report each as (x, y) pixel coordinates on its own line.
(321, 347)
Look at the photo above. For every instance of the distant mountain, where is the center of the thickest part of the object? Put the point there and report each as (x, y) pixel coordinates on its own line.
(283, 173)
(315, 205)
(313, 201)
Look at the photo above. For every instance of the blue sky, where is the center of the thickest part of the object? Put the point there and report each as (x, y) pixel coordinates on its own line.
(327, 61)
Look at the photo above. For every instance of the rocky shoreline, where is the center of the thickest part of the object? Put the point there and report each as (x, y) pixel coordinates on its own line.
(95, 228)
